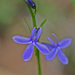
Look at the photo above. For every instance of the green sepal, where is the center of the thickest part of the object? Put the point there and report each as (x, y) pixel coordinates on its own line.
(35, 12)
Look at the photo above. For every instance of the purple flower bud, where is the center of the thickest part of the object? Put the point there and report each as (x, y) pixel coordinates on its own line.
(30, 3)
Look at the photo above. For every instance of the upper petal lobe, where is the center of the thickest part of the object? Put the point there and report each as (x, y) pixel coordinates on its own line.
(52, 42)
(55, 37)
(38, 33)
(33, 31)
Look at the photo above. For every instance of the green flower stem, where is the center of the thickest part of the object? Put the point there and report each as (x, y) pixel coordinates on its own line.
(38, 60)
(36, 50)
(33, 17)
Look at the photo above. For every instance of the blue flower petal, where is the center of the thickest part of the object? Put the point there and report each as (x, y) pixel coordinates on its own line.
(42, 48)
(55, 37)
(33, 31)
(52, 42)
(21, 40)
(49, 46)
(38, 33)
(65, 43)
(28, 52)
(62, 57)
(51, 54)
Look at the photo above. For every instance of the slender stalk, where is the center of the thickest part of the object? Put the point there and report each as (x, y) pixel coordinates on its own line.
(36, 50)
(33, 17)
(38, 60)
(27, 24)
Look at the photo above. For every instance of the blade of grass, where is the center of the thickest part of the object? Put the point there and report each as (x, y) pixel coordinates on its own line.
(41, 25)
(27, 24)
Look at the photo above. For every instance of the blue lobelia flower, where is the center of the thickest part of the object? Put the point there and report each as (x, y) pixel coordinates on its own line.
(56, 49)
(32, 41)
(30, 3)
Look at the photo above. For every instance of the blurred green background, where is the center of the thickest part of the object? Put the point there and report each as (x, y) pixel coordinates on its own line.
(60, 15)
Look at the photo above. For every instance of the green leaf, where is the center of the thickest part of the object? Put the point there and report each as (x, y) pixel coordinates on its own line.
(27, 24)
(41, 25)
